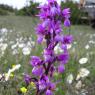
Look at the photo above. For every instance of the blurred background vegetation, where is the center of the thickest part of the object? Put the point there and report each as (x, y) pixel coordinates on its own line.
(31, 10)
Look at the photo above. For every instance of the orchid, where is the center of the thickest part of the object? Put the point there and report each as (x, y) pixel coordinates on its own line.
(50, 29)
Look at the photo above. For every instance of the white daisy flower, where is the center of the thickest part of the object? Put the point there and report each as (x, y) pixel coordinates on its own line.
(4, 46)
(87, 47)
(83, 60)
(14, 46)
(92, 42)
(21, 45)
(4, 30)
(83, 72)
(26, 51)
(75, 43)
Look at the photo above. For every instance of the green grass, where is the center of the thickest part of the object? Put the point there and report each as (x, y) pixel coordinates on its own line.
(24, 27)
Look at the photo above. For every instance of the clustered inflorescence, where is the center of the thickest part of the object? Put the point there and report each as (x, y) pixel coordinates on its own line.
(50, 30)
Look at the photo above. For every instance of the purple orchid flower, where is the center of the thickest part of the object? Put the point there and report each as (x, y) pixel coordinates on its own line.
(42, 85)
(40, 39)
(66, 13)
(50, 29)
(68, 39)
(67, 23)
(35, 60)
(49, 92)
(63, 58)
(38, 71)
(59, 38)
(40, 29)
(61, 68)
(27, 79)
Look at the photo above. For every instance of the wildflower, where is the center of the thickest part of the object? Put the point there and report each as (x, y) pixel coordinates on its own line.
(70, 78)
(16, 67)
(26, 50)
(4, 30)
(75, 43)
(83, 60)
(3, 46)
(87, 47)
(42, 84)
(78, 85)
(59, 38)
(68, 39)
(27, 79)
(67, 23)
(23, 89)
(66, 15)
(35, 61)
(49, 92)
(14, 46)
(38, 71)
(40, 39)
(63, 58)
(83, 72)
(9, 73)
(40, 29)
(54, 10)
(66, 12)
(21, 45)
(92, 42)
(47, 55)
(50, 30)
(61, 68)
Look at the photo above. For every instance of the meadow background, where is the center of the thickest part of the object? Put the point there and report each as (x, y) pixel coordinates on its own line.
(18, 44)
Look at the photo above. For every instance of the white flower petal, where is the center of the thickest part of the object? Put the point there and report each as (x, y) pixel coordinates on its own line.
(78, 85)
(83, 60)
(70, 78)
(26, 51)
(69, 46)
(83, 72)
(87, 47)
